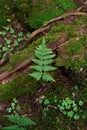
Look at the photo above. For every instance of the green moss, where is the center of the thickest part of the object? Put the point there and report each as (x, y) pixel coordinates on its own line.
(74, 46)
(59, 28)
(77, 63)
(5, 12)
(71, 31)
(81, 20)
(21, 85)
(40, 14)
(24, 54)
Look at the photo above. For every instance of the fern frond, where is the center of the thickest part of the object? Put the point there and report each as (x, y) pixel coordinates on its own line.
(36, 75)
(49, 68)
(47, 62)
(43, 62)
(13, 118)
(25, 121)
(47, 77)
(37, 61)
(43, 52)
(14, 127)
(49, 56)
(44, 57)
(37, 68)
(39, 56)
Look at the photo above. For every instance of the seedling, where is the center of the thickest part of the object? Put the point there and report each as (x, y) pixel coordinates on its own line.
(11, 30)
(8, 41)
(4, 48)
(69, 107)
(19, 39)
(28, 35)
(20, 34)
(14, 107)
(14, 36)
(3, 33)
(15, 44)
(6, 28)
(8, 20)
(0, 33)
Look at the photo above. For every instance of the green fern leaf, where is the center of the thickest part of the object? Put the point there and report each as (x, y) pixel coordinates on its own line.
(37, 68)
(39, 62)
(49, 61)
(47, 77)
(43, 52)
(25, 121)
(36, 75)
(49, 56)
(14, 127)
(39, 56)
(48, 68)
(13, 118)
(43, 40)
(44, 59)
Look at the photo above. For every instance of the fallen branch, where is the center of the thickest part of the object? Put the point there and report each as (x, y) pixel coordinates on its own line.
(8, 75)
(64, 16)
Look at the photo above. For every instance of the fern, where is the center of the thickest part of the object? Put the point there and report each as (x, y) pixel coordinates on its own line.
(44, 57)
(20, 122)
(15, 127)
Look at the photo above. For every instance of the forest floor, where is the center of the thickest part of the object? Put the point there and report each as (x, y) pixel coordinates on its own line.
(40, 101)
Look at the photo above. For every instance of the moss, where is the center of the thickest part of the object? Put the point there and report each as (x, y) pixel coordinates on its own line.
(51, 10)
(81, 20)
(74, 46)
(21, 85)
(59, 28)
(24, 54)
(71, 31)
(74, 64)
(77, 63)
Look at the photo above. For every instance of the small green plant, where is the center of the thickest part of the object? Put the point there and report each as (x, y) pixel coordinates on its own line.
(44, 59)
(11, 41)
(8, 20)
(15, 44)
(69, 107)
(11, 30)
(20, 121)
(14, 107)
(20, 34)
